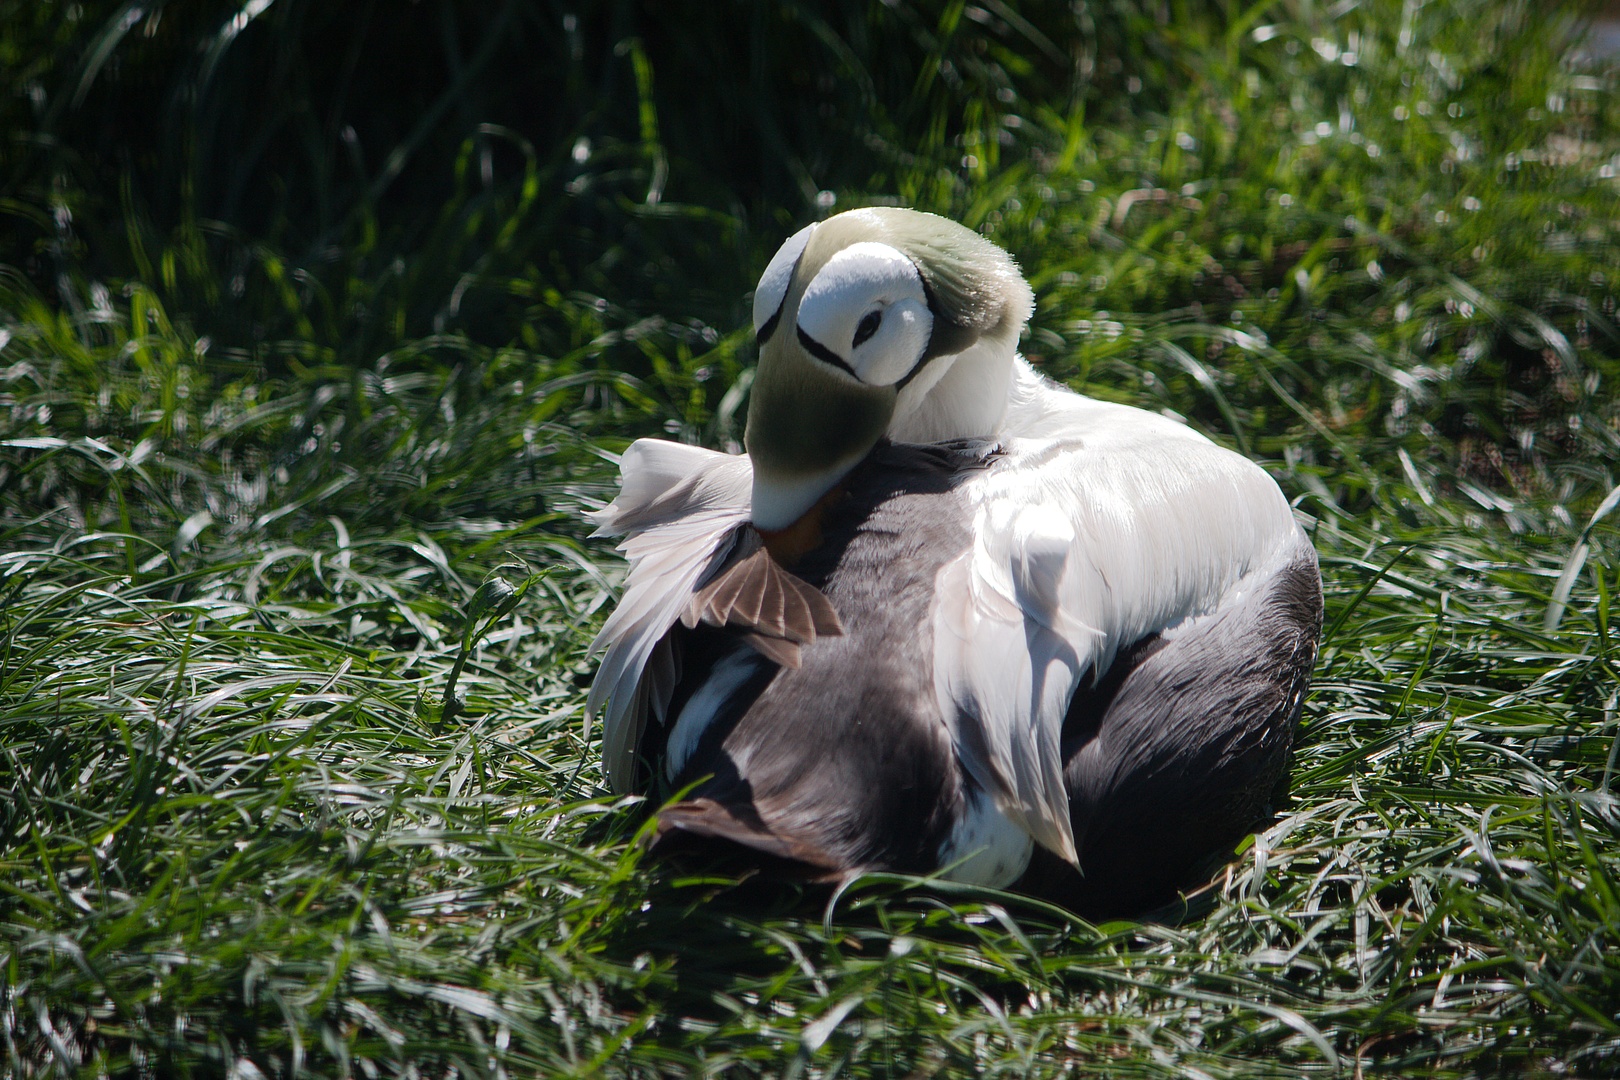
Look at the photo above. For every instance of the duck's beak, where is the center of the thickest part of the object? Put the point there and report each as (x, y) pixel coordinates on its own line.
(809, 424)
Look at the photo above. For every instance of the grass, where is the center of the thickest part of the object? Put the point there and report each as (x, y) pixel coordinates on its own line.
(255, 465)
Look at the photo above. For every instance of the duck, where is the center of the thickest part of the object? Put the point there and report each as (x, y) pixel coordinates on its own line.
(945, 616)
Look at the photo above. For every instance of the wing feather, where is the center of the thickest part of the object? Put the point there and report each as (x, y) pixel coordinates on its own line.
(1110, 524)
(680, 509)
(780, 611)
(683, 512)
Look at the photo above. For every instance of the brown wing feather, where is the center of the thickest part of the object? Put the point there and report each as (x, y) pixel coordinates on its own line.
(756, 583)
(727, 592)
(780, 611)
(777, 650)
(824, 621)
(773, 609)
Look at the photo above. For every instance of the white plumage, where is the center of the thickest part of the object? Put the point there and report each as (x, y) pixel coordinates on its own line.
(678, 508)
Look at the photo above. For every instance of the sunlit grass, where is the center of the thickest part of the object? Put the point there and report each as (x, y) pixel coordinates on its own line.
(241, 838)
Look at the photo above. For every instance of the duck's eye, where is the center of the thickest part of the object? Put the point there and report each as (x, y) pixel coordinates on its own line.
(868, 326)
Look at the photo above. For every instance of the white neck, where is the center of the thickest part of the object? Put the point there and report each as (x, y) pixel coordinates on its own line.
(958, 397)
(1039, 408)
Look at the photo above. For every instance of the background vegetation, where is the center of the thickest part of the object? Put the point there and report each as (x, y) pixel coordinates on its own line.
(313, 315)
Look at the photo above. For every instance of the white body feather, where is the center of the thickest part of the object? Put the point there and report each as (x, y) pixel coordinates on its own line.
(678, 508)
(1097, 525)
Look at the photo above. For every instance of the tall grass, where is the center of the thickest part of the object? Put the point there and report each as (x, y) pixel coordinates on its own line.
(269, 418)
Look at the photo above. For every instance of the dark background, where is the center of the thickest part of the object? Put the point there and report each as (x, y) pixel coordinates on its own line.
(508, 139)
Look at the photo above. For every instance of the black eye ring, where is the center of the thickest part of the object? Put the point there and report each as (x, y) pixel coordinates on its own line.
(868, 326)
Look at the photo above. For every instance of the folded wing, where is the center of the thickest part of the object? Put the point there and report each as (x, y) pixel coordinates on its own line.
(1117, 524)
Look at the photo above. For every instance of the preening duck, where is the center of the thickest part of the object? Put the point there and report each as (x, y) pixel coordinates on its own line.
(944, 614)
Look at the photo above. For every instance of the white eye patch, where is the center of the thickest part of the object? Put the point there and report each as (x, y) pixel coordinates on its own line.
(867, 308)
(773, 283)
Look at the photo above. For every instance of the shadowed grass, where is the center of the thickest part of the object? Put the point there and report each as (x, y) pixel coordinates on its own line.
(239, 538)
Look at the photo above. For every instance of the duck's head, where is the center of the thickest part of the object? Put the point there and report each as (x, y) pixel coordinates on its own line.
(877, 322)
